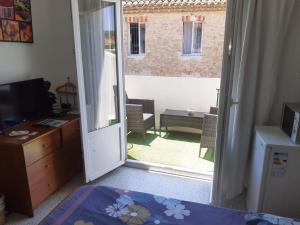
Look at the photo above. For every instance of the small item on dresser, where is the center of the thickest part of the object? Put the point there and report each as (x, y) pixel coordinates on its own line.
(67, 95)
(33, 133)
(52, 123)
(74, 112)
(2, 210)
(50, 101)
(24, 138)
(15, 133)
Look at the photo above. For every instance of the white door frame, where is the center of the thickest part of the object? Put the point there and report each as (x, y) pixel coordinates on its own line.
(223, 118)
(172, 170)
(225, 100)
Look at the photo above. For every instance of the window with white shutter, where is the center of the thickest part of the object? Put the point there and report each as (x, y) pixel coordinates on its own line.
(192, 37)
(137, 32)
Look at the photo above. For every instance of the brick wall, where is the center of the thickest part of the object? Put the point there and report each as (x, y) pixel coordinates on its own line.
(164, 37)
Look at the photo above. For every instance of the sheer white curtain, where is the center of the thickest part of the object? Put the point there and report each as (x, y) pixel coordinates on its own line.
(260, 28)
(99, 64)
(92, 39)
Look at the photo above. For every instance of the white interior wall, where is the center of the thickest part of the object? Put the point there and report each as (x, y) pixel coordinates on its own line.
(51, 54)
(288, 89)
(63, 43)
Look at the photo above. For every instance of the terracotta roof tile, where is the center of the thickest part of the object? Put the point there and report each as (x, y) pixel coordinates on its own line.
(172, 3)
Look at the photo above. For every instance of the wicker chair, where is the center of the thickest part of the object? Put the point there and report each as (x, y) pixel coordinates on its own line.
(209, 130)
(140, 115)
(213, 110)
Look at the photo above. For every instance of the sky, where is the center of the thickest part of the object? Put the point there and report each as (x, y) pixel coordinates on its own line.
(109, 18)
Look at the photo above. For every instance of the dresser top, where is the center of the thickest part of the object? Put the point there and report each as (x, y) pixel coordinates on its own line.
(272, 135)
(6, 140)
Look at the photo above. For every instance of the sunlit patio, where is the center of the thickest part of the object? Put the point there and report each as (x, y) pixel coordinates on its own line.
(165, 97)
(176, 149)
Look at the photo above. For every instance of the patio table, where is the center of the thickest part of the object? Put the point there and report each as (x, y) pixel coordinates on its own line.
(181, 118)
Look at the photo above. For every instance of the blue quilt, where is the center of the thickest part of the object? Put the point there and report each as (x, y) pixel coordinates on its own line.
(97, 205)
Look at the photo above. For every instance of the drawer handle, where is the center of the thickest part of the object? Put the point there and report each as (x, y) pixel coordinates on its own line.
(44, 146)
(46, 166)
(49, 185)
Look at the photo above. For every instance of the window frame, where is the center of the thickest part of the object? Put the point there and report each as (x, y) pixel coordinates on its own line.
(129, 40)
(193, 34)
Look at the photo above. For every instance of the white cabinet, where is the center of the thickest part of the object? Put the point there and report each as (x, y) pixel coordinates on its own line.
(274, 180)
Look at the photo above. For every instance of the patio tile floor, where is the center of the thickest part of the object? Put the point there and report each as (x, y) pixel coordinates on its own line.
(173, 148)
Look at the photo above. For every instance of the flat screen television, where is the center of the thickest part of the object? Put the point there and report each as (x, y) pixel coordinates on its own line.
(21, 101)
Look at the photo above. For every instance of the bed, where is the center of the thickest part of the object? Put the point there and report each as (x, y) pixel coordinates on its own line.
(99, 205)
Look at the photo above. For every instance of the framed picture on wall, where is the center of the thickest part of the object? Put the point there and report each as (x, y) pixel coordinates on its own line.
(16, 21)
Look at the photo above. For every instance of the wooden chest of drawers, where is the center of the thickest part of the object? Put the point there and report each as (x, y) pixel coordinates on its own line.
(31, 170)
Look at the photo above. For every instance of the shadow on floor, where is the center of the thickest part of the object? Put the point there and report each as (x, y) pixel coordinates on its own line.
(146, 149)
(182, 136)
(134, 138)
(132, 158)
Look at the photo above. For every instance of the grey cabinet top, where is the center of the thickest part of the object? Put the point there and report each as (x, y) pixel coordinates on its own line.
(272, 135)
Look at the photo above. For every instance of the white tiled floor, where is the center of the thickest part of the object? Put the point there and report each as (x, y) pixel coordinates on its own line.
(131, 179)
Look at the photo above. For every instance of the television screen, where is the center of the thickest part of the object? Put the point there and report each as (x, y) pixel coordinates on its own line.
(21, 101)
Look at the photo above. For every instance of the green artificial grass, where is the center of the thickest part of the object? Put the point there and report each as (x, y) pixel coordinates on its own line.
(173, 148)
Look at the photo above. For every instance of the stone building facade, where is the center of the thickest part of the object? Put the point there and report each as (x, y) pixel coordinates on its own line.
(164, 37)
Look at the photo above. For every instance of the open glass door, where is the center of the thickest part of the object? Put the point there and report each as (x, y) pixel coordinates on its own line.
(97, 32)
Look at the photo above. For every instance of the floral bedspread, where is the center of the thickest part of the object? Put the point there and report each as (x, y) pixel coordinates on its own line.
(97, 205)
(269, 219)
